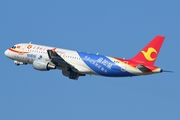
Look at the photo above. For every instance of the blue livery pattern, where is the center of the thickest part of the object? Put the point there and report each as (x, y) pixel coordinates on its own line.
(103, 65)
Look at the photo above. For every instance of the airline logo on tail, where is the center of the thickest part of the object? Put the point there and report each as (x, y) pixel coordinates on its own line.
(150, 54)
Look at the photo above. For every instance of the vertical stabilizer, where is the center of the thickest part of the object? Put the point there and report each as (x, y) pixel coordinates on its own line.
(148, 54)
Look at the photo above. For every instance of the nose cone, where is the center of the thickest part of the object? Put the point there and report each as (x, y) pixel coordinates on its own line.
(6, 53)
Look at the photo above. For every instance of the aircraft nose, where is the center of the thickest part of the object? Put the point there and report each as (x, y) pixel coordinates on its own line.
(6, 53)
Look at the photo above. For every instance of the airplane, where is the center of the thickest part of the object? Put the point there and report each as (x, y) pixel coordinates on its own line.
(75, 63)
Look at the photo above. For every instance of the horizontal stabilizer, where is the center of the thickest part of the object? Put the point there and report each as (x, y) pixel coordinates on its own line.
(143, 68)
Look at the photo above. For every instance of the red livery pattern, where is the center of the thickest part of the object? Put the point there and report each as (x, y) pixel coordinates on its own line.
(149, 54)
(18, 51)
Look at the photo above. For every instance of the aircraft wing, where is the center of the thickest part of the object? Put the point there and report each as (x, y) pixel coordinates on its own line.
(143, 68)
(58, 60)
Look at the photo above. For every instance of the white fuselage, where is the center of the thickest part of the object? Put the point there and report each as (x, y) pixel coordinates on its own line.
(84, 63)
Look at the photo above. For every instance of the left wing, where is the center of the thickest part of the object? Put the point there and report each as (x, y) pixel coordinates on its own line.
(59, 61)
(70, 71)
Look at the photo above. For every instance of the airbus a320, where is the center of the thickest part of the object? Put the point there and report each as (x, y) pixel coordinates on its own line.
(75, 63)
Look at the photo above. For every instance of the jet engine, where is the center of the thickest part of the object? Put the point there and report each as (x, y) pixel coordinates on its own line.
(43, 65)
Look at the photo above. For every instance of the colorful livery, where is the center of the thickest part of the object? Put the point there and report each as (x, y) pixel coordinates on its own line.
(74, 63)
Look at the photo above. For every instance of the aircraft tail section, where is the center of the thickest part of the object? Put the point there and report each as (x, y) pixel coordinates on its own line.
(150, 52)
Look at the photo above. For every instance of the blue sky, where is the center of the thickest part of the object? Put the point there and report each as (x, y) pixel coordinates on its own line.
(115, 28)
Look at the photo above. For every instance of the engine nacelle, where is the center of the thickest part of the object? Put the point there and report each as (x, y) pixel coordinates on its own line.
(43, 65)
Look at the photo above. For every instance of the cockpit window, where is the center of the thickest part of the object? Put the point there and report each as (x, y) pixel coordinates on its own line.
(14, 47)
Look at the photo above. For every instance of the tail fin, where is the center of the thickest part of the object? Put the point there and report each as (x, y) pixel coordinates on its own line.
(149, 54)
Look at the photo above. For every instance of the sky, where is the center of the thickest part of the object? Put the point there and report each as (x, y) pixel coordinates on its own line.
(115, 28)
